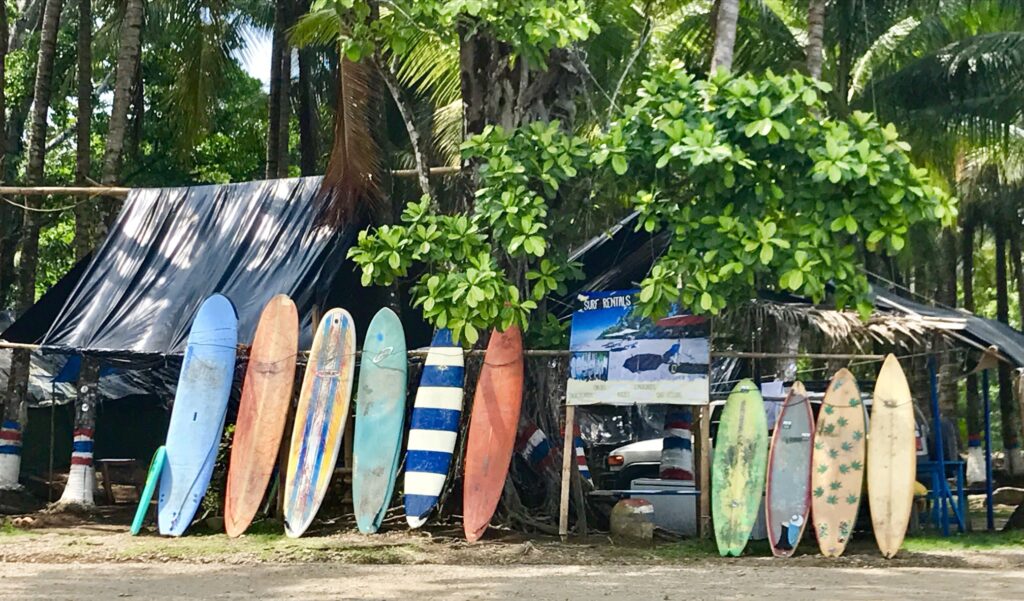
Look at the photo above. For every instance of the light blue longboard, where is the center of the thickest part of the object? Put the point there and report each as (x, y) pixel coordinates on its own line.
(380, 418)
(197, 418)
(152, 478)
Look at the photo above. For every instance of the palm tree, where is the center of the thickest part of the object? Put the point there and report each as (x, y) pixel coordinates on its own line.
(128, 53)
(280, 80)
(815, 37)
(85, 213)
(727, 13)
(15, 404)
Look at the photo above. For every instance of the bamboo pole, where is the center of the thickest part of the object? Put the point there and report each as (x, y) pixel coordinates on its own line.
(549, 353)
(121, 192)
(65, 191)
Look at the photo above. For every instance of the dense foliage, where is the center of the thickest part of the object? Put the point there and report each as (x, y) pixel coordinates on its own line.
(759, 188)
(755, 184)
(531, 27)
(491, 267)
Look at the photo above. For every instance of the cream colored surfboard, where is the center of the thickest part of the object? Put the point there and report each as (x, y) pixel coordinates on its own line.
(892, 457)
(837, 469)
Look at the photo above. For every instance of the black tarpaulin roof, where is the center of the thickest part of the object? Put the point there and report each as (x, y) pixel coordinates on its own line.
(171, 248)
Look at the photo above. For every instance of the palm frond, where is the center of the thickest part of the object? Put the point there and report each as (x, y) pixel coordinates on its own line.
(447, 132)
(317, 28)
(881, 51)
(975, 87)
(430, 68)
(350, 189)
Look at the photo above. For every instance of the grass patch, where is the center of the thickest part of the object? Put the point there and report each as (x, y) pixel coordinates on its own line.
(9, 529)
(694, 548)
(988, 541)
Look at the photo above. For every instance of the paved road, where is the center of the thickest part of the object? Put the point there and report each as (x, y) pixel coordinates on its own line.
(173, 581)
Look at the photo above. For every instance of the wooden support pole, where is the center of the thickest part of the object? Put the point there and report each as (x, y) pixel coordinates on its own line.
(566, 353)
(704, 500)
(568, 455)
(113, 192)
(121, 192)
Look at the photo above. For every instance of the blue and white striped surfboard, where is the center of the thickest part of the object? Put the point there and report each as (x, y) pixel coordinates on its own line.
(434, 427)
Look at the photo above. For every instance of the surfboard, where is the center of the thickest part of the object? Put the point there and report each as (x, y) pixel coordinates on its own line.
(262, 412)
(892, 457)
(380, 419)
(837, 474)
(788, 485)
(492, 430)
(197, 417)
(738, 468)
(319, 419)
(152, 479)
(434, 427)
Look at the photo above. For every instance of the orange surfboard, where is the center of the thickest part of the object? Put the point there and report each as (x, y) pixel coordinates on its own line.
(492, 430)
(262, 412)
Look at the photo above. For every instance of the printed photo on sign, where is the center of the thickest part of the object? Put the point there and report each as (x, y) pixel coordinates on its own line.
(621, 358)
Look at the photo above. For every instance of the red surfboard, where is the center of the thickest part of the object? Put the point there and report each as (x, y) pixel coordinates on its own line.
(492, 430)
(262, 412)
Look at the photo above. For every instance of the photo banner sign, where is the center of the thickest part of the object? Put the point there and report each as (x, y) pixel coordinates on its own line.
(620, 358)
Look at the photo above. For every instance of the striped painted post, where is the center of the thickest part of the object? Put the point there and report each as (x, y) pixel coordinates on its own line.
(82, 475)
(581, 457)
(677, 447)
(10, 454)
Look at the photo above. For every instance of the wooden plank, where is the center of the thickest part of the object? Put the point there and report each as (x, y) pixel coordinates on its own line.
(704, 445)
(567, 461)
(66, 191)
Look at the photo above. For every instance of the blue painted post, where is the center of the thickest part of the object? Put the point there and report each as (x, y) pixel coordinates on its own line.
(989, 517)
(939, 448)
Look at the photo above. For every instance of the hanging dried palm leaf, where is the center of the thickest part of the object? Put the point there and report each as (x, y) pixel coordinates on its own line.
(351, 186)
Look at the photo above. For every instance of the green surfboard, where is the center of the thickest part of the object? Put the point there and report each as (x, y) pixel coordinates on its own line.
(152, 479)
(737, 473)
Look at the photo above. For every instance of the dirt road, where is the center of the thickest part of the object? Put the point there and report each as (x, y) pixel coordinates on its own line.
(24, 581)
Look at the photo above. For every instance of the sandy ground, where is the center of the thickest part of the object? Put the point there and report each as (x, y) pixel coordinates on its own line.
(64, 556)
(425, 582)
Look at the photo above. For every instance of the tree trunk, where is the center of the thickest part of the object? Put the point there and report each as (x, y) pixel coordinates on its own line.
(279, 105)
(85, 213)
(725, 34)
(128, 52)
(17, 382)
(1007, 408)
(496, 91)
(43, 90)
(8, 245)
(138, 109)
(1018, 272)
(815, 37)
(945, 279)
(415, 140)
(82, 476)
(30, 13)
(975, 424)
(284, 122)
(309, 126)
(274, 101)
(29, 22)
(8, 215)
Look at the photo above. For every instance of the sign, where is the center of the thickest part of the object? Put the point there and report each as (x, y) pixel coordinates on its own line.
(620, 358)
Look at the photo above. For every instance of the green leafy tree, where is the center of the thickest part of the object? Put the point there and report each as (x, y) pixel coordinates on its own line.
(760, 188)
